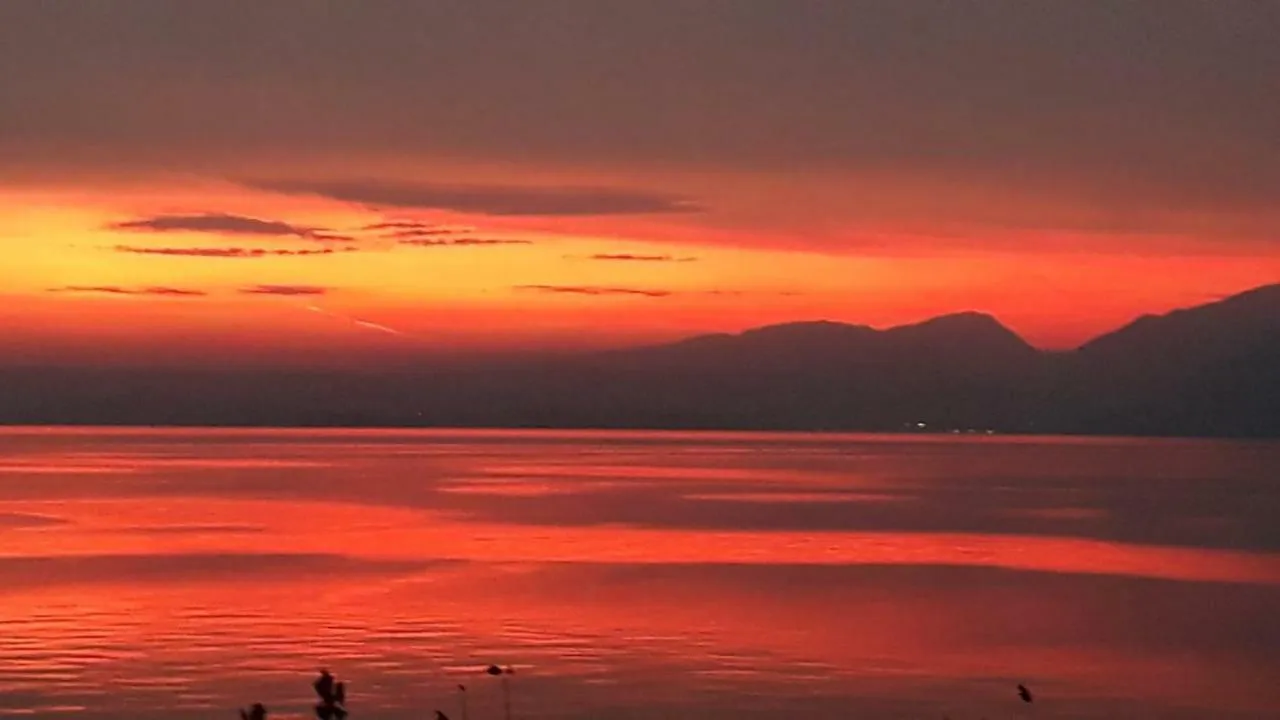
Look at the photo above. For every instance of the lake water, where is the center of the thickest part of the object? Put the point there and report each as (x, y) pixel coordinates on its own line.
(185, 573)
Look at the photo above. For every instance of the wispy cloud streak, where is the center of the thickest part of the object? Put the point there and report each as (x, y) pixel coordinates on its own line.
(121, 290)
(357, 322)
(594, 290)
(230, 252)
(226, 224)
(631, 257)
(461, 242)
(284, 290)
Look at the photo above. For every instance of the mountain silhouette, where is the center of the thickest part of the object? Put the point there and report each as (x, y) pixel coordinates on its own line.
(959, 337)
(1209, 370)
(1240, 323)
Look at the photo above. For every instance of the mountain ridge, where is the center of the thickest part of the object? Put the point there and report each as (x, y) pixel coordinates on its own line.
(1207, 370)
(1264, 297)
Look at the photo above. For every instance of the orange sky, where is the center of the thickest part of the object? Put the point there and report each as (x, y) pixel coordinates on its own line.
(74, 284)
(749, 164)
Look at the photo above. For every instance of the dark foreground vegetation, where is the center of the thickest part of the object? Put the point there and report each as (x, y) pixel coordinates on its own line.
(332, 697)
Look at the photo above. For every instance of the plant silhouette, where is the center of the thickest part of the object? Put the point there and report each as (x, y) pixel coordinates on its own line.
(333, 697)
(1024, 694)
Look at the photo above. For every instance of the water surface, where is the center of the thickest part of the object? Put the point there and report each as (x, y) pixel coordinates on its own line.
(184, 573)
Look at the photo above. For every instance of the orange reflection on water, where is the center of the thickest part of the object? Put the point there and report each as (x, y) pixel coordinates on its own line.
(207, 574)
(578, 632)
(373, 532)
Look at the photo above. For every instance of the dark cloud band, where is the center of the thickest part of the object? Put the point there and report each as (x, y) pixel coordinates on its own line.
(485, 199)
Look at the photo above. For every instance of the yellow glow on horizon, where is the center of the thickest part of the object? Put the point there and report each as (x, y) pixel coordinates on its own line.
(549, 291)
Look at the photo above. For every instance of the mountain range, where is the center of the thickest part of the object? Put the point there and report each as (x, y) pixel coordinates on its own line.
(1210, 370)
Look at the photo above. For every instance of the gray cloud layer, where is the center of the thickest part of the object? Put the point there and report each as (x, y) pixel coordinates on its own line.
(1116, 106)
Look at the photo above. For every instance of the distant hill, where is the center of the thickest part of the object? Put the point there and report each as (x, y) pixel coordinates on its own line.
(963, 337)
(1211, 370)
(1207, 370)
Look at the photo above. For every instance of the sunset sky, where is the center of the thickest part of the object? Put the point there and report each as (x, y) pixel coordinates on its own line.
(288, 181)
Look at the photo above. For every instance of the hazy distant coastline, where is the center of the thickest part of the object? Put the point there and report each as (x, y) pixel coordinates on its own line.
(1206, 371)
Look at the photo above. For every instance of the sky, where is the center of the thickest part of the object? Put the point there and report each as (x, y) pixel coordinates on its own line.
(298, 181)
